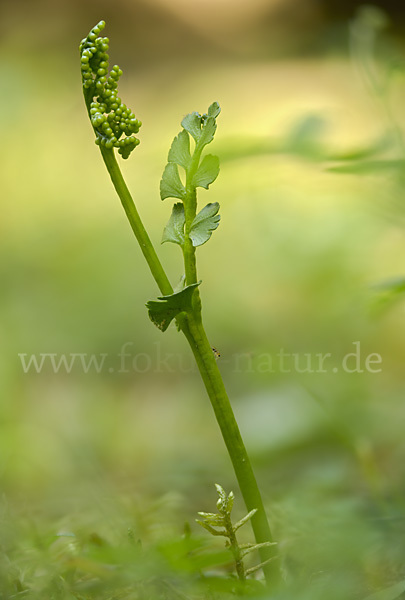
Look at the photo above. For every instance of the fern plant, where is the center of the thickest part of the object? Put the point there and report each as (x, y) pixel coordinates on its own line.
(223, 519)
(116, 127)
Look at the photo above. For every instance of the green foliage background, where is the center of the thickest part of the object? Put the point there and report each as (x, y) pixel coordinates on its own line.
(295, 265)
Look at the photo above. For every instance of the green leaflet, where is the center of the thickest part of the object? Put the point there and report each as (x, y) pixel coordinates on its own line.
(207, 171)
(192, 124)
(170, 184)
(163, 310)
(202, 227)
(208, 131)
(213, 518)
(174, 230)
(179, 152)
(214, 109)
(204, 224)
(202, 127)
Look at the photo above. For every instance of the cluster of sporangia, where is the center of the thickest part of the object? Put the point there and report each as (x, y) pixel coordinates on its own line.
(110, 118)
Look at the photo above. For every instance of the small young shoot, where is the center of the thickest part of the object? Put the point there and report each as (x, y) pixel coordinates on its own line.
(223, 519)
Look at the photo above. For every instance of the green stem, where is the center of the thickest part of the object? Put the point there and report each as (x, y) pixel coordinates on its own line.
(192, 327)
(234, 547)
(214, 385)
(134, 219)
(190, 210)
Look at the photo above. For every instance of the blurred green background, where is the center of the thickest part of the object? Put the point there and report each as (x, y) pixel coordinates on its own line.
(312, 203)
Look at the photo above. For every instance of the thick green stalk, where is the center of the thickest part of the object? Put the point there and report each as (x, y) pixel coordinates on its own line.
(191, 326)
(214, 385)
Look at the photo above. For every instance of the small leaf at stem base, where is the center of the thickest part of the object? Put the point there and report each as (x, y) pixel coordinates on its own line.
(163, 310)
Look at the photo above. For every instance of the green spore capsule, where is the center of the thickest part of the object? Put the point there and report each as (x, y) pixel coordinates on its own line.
(114, 124)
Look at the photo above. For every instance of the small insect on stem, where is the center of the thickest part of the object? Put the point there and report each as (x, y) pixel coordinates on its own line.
(216, 353)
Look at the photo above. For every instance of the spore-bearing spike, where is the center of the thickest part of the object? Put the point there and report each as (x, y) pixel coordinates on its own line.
(110, 118)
